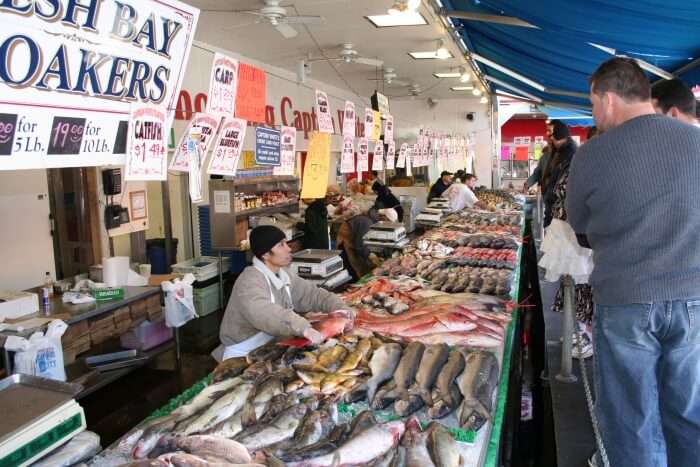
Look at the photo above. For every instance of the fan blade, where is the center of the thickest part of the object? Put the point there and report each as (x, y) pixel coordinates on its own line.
(399, 82)
(304, 20)
(368, 61)
(286, 30)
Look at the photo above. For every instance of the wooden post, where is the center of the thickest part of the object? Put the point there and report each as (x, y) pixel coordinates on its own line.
(167, 227)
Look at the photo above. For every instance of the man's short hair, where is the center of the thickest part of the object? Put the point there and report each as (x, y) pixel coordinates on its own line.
(621, 76)
(674, 93)
(468, 177)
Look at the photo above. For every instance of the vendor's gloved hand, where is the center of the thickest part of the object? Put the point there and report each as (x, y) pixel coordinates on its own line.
(314, 336)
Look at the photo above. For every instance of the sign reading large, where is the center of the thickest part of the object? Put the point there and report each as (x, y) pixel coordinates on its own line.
(71, 69)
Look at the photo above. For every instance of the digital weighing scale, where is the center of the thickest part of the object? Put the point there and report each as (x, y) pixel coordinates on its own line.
(38, 415)
(336, 280)
(439, 203)
(316, 264)
(387, 233)
(430, 216)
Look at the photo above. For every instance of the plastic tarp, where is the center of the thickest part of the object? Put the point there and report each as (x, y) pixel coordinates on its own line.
(559, 54)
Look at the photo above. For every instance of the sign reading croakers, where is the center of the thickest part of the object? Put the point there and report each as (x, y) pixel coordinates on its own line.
(77, 67)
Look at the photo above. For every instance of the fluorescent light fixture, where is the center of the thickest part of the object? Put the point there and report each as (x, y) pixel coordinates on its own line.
(465, 76)
(513, 88)
(407, 18)
(484, 100)
(476, 92)
(451, 74)
(462, 88)
(442, 53)
(508, 72)
(413, 5)
(432, 55)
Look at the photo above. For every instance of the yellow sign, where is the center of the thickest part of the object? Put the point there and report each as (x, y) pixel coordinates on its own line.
(316, 167)
(248, 158)
(538, 152)
(377, 133)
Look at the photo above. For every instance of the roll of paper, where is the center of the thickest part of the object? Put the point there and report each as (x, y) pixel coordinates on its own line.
(115, 271)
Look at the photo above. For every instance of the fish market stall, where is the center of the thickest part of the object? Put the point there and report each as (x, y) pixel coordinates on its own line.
(419, 376)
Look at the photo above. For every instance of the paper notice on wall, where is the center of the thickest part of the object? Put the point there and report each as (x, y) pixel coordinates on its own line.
(378, 157)
(377, 130)
(325, 120)
(316, 167)
(349, 119)
(195, 158)
(390, 155)
(146, 157)
(208, 125)
(222, 202)
(227, 152)
(389, 128)
(223, 85)
(288, 153)
(347, 158)
(401, 162)
(369, 123)
(363, 155)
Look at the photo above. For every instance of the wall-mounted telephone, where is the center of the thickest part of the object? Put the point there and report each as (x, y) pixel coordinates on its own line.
(112, 181)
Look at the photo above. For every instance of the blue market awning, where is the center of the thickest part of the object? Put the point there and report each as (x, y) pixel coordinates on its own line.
(556, 45)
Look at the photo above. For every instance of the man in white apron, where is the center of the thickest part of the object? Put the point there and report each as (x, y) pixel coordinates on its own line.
(268, 300)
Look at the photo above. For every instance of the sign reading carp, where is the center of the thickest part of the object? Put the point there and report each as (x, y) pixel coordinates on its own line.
(73, 68)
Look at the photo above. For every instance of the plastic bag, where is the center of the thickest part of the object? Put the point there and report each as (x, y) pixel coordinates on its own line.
(179, 301)
(41, 354)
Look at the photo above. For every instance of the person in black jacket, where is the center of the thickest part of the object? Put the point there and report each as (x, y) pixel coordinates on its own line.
(315, 225)
(387, 200)
(441, 185)
(563, 152)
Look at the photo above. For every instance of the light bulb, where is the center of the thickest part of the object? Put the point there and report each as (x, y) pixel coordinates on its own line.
(484, 100)
(465, 77)
(413, 4)
(442, 53)
(476, 92)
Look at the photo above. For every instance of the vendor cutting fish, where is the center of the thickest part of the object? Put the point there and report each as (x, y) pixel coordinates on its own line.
(268, 300)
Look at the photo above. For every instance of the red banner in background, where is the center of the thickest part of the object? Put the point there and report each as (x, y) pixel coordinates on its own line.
(251, 99)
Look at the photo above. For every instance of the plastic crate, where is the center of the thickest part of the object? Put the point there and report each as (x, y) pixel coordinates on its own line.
(203, 267)
(146, 335)
(206, 300)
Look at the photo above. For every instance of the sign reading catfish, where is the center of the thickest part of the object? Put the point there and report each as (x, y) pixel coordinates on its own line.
(88, 59)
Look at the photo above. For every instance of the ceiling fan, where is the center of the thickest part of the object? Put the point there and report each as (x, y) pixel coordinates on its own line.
(276, 15)
(348, 54)
(390, 78)
(414, 90)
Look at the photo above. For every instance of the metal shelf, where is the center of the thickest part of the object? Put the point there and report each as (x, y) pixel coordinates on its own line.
(269, 209)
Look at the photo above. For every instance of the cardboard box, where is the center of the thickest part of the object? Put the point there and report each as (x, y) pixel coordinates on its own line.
(122, 314)
(155, 279)
(138, 310)
(153, 303)
(155, 314)
(75, 331)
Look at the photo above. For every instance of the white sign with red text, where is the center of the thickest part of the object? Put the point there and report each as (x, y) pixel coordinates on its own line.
(146, 157)
(227, 152)
(288, 142)
(223, 85)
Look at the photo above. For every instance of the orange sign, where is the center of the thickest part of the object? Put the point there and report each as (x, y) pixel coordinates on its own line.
(250, 100)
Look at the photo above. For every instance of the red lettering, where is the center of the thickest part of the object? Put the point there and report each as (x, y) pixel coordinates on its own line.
(269, 115)
(184, 106)
(297, 120)
(341, 117)
(314, 120)
(284, 103)
(308, 125)
(200, 102)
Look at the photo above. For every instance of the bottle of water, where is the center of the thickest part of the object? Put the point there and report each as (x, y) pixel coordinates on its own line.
(48, 283)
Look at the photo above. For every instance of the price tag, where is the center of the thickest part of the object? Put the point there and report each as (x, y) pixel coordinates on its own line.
(66, 135)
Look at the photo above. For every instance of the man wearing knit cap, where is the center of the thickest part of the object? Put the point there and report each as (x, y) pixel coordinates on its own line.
(268, 300)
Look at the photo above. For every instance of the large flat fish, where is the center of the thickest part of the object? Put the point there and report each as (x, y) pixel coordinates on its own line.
(279, 429)
(415, 442)
(443, 447)
(418, 394)
(382, 366)
(477, 383)
(403, 377)
(446, 396)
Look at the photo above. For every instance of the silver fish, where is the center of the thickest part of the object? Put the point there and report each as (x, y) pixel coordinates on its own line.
(443, 447)
(382, 365)
(280, 429)
(222, 409)
(477, 383)
(225, 449)
(83, 446)
(415, 442)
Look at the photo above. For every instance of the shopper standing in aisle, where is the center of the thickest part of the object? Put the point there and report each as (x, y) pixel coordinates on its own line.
(564, 148)
(675, 99)
(268, 300)
(634, 197)
(536, 177)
